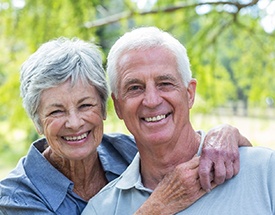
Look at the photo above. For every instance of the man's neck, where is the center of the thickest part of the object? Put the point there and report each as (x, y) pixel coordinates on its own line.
(155, 164)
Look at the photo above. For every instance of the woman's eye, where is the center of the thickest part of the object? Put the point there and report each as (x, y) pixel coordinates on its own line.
(55, 112)
(86, 106)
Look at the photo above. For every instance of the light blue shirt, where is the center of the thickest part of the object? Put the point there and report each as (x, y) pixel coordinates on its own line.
(251, 192)
(35, 187)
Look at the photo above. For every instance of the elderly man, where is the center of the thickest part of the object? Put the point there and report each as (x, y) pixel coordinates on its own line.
(153, 92)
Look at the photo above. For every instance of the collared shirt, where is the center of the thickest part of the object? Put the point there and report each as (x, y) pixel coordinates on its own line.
(252, 191)
(36, 187)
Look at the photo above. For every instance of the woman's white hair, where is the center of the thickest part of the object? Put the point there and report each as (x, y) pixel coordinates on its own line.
(56, 62)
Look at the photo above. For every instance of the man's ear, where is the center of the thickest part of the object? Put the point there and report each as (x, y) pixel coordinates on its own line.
(117, 106)
(191, 90)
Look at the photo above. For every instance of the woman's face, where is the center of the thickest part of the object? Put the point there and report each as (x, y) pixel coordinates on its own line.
(72, 119)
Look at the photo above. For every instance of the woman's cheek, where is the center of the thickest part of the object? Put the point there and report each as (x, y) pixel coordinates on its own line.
(52, 125)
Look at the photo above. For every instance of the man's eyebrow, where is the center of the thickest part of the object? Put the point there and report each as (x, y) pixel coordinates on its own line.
(131, 81)
(166, 77)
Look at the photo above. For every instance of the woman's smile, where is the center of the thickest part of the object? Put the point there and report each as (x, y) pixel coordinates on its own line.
(75, 138)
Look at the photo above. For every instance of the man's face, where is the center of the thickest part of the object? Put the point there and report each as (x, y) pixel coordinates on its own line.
(152, 99)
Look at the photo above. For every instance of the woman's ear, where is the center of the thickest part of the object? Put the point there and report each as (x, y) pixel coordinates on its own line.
(39, 131)
(105, 116)
(38, 128)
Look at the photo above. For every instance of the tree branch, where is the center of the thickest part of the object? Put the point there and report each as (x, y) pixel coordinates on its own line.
(128, 14)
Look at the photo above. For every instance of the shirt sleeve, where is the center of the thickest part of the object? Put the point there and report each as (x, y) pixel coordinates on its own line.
(15, 204)
(271, 179)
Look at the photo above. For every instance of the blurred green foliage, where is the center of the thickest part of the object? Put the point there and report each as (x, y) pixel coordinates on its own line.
(231, 54)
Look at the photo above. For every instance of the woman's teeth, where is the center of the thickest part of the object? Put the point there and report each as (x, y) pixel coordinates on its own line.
(76, 138)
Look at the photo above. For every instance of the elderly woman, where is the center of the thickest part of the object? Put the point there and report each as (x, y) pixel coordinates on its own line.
(64, 92)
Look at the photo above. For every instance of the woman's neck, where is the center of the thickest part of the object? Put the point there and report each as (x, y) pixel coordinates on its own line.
(87, 175)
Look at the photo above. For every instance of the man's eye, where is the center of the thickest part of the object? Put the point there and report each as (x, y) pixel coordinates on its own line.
(165, 83)
(134, 88)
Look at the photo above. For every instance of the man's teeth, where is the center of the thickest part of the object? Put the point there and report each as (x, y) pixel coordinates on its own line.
(155, 118)
(76, 138)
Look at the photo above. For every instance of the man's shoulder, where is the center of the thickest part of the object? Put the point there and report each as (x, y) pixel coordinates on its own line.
(257, 152)
(260, 158)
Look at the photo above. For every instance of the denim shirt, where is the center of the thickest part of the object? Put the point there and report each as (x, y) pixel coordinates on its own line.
(36, 187)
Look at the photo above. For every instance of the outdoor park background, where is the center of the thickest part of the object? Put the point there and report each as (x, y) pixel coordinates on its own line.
(231, 45)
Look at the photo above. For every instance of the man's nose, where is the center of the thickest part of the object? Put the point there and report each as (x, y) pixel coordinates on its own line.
(152, 97)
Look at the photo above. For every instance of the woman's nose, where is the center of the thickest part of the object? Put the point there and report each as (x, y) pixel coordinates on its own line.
(74, 120)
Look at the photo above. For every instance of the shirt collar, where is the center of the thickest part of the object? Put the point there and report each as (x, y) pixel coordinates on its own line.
(52, 184)
(116, 152)
(131, 177)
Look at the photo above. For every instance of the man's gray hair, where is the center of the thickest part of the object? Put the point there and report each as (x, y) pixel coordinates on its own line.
(141, 39)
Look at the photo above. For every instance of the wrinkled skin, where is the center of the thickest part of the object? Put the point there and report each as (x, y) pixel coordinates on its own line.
(220, 155)
(191, 180)
(178, 190)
